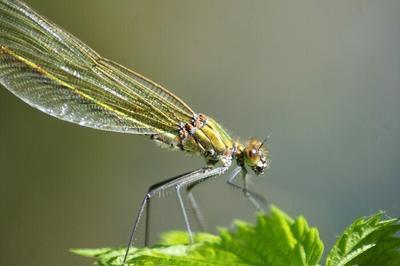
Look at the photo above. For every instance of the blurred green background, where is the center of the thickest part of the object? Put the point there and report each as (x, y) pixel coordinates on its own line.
(321, 76)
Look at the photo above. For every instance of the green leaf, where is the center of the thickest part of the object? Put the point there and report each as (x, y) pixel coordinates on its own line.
(368, 241)
(274, 240)
(181, 238)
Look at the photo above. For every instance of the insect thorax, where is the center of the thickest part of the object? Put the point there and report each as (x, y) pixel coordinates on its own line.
(203, 136)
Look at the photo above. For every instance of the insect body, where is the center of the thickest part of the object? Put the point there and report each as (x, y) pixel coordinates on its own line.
(56, 73)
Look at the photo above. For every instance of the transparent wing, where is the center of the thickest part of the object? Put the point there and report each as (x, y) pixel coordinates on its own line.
(53, 71)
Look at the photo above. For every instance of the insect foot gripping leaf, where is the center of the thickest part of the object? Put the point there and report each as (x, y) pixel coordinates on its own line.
(368, 241)
(275, 239)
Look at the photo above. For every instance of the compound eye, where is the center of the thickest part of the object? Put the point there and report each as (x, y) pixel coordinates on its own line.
(253, 152)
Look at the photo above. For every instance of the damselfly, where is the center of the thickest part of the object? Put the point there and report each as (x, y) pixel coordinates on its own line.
(56, 73)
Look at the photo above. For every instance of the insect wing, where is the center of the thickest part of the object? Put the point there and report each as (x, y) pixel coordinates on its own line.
(53, 71)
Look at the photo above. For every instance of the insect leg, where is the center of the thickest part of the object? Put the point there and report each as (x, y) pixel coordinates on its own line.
(189, 183)
(195, 208)
(174, 182)
(255, 199)
(135, 225)
(160, 186)
(185, 216)
(193, 203)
